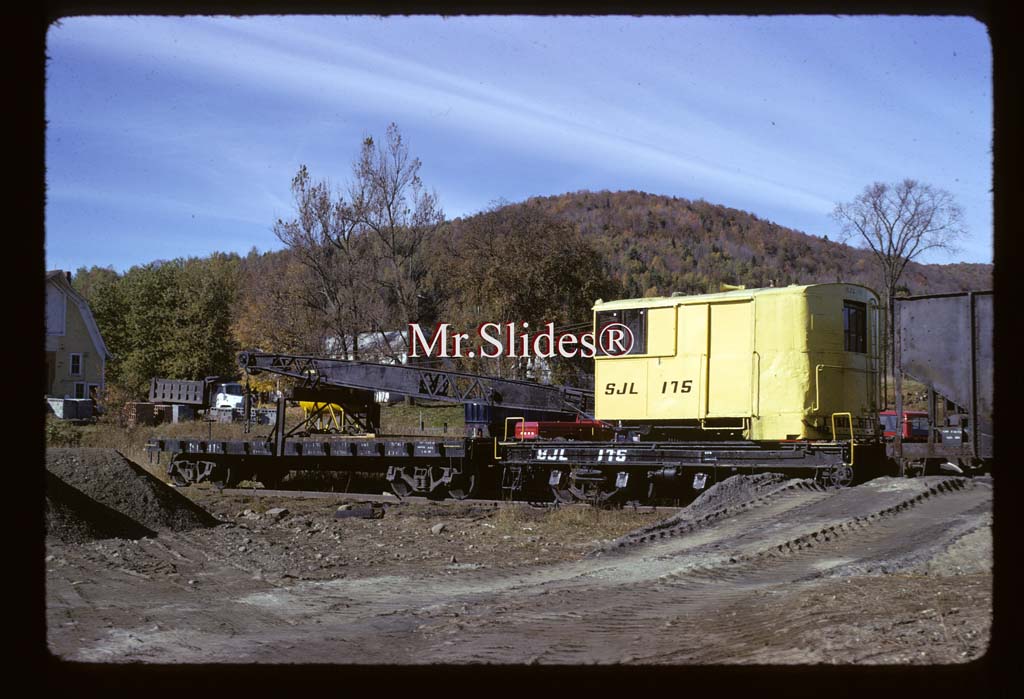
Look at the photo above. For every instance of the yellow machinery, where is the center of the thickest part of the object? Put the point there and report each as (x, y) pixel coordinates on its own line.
(764, 364)
(323, 417)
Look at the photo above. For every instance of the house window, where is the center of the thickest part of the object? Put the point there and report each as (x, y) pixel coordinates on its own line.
(855, 326)
(76, 364)
(80, 390)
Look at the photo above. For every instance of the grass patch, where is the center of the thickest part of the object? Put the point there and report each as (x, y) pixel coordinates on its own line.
(406, 419)
(62, 434)
(569, 522)
(514, 516)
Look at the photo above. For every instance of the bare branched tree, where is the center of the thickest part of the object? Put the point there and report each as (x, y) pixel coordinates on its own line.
(389, 202)
(322, 239)
(898, 223)
(364, 246)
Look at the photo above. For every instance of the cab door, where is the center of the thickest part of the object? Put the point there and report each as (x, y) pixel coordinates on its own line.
(730, 359)
(676, 380)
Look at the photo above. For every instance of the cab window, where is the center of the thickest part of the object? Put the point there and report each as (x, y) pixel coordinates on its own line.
(612, 340)
(855, 326)
(919, 427)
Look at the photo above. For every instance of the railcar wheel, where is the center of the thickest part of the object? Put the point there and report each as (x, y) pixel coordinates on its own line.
(563, 495)
(462, 486)
(607, 498)
(178, 479)
(182, 473)
(400, 488)
(841, 476)
(594, 492)
(438, 493)
(221, 477)
(913, 469)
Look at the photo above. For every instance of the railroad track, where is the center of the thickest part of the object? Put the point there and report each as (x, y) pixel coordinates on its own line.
(322, 494)
(415, 499)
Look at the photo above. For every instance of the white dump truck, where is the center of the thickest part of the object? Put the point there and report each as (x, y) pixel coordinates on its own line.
(213, 394)
(228, 395)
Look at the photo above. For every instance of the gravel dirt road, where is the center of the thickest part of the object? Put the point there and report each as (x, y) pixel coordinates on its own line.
(758, 570)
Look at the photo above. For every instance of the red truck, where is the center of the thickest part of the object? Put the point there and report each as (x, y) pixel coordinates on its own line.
(580, 429)
(915, 425)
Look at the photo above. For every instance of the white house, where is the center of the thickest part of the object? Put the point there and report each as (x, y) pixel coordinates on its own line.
(373, 347)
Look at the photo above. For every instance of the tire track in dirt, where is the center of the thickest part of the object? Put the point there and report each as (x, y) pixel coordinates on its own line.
(612, 627)
(545, 615)
(393, 591)
(688, 599)
(183, 565)
(804, 490)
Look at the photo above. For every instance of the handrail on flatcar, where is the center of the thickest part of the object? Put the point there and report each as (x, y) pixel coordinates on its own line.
(849, 420)
(521, 419)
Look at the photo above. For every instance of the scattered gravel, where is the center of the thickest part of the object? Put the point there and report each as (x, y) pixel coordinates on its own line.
(891, 571)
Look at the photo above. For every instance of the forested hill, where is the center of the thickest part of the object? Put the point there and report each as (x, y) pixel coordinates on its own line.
(543, 260)
(656, 245)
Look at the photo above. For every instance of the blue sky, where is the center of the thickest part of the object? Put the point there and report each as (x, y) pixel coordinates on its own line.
(174, 137)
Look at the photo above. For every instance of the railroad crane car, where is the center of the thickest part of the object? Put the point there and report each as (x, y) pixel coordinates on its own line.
(346, 389)
(782, 379)
(702, 386)
(764, 364)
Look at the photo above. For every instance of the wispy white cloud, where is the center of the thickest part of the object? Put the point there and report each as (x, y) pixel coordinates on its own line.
(226, 108)
(335, 73)
(154, 202)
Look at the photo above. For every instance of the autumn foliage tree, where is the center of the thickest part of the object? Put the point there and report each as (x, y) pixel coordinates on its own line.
(900, 222)
(514, 264)
(390, 203)
(167, 318)
(279, 306)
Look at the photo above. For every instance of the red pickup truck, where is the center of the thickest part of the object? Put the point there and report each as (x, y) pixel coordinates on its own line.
(915, 425)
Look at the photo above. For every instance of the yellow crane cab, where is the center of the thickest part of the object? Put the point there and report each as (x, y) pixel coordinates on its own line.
(786, 363)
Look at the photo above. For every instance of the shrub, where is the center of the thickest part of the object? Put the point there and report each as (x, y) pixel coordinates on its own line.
(61, 434)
